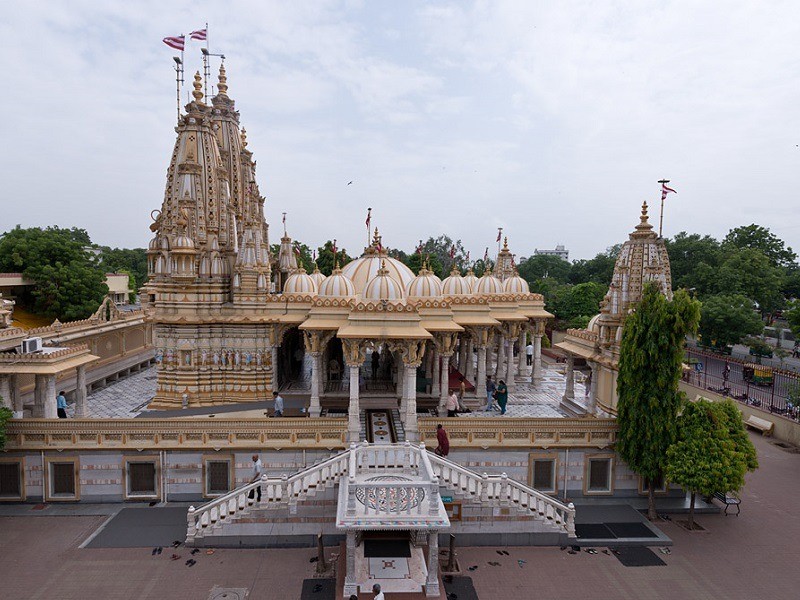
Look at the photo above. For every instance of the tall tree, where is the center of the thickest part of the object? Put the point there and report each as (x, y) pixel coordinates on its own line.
(598, 269)
(750, 272)
(712, 451)
(576, 304)
(651, 354)
(325, 258)
(693, 260)
(726, 319)
(760, 238)
(128, 260)
(540, 266)
(68, 283)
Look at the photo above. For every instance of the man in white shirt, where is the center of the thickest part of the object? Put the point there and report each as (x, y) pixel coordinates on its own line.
(452, 404)
(278, 404)
(376, 589)
(258, 471)
(529, 354)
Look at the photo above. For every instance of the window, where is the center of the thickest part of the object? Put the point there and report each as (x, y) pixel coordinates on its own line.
(599, 475)
(217, 475)
(544, 475)
(660, 486)
(62, 479)
(11, 484)
(141, 478)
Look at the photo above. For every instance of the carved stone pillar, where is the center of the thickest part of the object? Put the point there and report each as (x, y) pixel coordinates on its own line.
(353, 410)
(522, 367)
(50, 411)
(462, 355)
(350, 583)
(275, 385)
(499, 371)
(80, 392)
(470, 368)
(510, 366)
(435, 381)
(444, 383)
(536, 374)
(569, 390)
(411, 427)
(432, 581)
(15, 396)
(5, 392)
(592, 407)
(315, 407)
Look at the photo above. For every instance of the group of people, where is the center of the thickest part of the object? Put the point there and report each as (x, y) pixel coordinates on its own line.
(495, 392)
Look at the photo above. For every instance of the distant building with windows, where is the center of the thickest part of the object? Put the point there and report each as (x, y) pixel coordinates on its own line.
(559, 251)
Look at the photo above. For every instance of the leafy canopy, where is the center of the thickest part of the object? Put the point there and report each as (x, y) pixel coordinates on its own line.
(726, 319)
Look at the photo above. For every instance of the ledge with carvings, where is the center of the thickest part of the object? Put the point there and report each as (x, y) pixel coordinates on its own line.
(175, 434)
(503, 432)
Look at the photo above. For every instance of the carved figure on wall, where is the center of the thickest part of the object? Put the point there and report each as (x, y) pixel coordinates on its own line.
(248, 358)
(203, 357)
(216, 359)
(159, 356)
(237, 358)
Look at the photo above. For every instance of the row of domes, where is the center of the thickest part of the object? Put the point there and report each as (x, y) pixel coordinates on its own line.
(384, 278)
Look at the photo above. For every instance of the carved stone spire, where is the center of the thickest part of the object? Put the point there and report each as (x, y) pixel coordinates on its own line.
(222, 81)
(198, 88)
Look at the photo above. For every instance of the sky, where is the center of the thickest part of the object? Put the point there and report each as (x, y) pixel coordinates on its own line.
(553, 120)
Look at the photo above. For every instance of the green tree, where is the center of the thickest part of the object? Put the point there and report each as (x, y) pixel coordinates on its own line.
(126, 260)
(547, 287)
(750, 272)
(414, 262)
(68, 284)
(694, 260)
(540, 266)
(5, 417)
(598, 269)
(325, 258)
(726, 319)
(438, 250)
(651, 354)
(578, 303)
(760, 238)
(792, 316)
(712, 451)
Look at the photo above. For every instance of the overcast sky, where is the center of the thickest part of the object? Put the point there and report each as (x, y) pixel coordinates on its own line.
(553, 120)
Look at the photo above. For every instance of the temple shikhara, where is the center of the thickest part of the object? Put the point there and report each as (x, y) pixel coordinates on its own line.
(364, 360)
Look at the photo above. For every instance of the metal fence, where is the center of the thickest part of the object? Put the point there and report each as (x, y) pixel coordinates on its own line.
(734, 378)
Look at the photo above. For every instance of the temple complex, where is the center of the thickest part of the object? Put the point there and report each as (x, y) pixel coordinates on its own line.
(365, 358)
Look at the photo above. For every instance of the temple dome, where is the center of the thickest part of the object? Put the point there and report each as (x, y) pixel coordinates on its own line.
(383, 287)
(182, 243)
(300, 282)
(471, 280)
(317, 276)
(362, 270)
(593, 325)
(425, 285)
(488, 285)
(337, 286)
(516, 285)
(455, 285)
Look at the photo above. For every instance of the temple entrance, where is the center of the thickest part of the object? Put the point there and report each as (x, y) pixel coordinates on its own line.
(294, 371)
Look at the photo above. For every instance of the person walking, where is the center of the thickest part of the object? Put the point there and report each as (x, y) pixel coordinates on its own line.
(452, 404)
(258, 471)
(529, 353)
(278, 404)
(491, 388)
(502, 396)
(443, 449)
(376, 589)
(61, 405)
(376, 361)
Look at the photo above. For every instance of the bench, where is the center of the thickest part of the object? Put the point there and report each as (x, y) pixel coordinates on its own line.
(762, 425)
(728, 501)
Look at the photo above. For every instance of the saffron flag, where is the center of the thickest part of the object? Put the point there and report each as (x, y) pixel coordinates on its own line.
(178, 42)
(666, 190)
(200, 34)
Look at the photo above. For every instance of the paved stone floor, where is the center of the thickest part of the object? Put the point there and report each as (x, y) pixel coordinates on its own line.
(123, 399)
(737, 558)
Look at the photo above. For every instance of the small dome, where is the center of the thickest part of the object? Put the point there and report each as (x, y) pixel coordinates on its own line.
(488, 285)
(516, 285)
(471, 280)
(383, 287)
(182, 242)
(454, 285)
(153, 245)
(593, 324)
(363, 270)
(300, 282)
(337, 286)
(425, 285)
(317, 276)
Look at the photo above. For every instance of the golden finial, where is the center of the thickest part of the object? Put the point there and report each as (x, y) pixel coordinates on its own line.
(244, 138)
(222, 84)
(644, 224)
(375, 238)
(644, 210)
(505, 243)
(198, 88)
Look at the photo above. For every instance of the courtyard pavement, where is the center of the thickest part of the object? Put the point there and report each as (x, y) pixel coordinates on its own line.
(748, 557)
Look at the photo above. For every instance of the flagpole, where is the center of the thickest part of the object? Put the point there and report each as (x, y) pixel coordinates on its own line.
(663, 182)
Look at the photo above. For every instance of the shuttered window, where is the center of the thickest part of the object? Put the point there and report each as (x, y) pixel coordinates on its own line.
(544, 475)
(62, 479)
(217, 477)
(141, 478)
(10, 480)
(599, 474)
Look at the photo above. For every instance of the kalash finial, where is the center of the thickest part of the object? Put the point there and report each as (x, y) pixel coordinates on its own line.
(644, 224)
(505, 243)
(222, 81)
(198, 88)
(244, 138)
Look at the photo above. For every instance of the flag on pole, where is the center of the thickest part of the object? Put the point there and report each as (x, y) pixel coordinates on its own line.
(486, 255)
(334, 249)
(499, 234)
(178, 42)
(297, 248)
(369, 217)
(666, 190)
(452, 252)
(467, 256)
(200, 34)
(419, 248)
(314, 255)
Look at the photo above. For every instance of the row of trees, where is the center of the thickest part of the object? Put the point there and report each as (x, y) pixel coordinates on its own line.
(701, 446)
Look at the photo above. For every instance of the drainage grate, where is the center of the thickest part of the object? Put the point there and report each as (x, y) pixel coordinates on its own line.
(219, 593)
